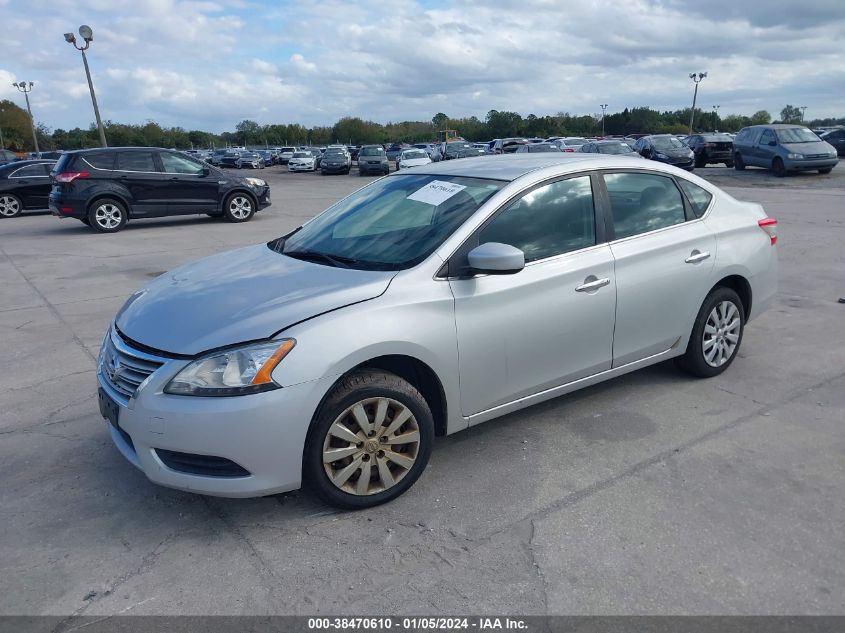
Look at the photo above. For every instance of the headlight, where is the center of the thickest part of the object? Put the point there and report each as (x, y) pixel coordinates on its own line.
(256, 182)
(794, 156)
(233, 372)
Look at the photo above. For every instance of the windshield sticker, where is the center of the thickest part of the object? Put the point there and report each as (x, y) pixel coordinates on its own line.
(436, 192)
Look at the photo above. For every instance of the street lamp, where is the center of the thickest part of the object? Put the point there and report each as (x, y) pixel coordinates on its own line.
(802, 112)
(696, 78)
(603, 109)
(26, 88)
(87, 34)
(2, 142)
(715, 115)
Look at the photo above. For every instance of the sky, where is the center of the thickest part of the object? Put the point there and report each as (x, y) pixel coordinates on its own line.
(208, 64)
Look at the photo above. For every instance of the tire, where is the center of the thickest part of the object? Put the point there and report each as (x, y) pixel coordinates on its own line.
(716, 335)
(729, 164)
(739, 164)
(339, 483)
(107, 215)
(85, 221)
(10, 205)
(238, 207)
(700, 161)
(826, 170)
(361, 172)
(778, 167)
(387, 171)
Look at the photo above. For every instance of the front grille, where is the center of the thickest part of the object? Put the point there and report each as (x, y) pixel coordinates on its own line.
(814, 156)
(207, 465)
(124, 368)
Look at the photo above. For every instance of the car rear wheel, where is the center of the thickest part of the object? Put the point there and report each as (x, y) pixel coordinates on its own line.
(716, 335)
(10, 205)
(826, 170)
(369, 442)
(739, 164)
(107, 215)
(700, 160)
(238, 208)
(729, 164)
(778, 167)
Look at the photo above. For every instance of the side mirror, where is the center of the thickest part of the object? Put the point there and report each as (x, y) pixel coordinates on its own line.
(772, 143)
(206, 171)
(495, 258)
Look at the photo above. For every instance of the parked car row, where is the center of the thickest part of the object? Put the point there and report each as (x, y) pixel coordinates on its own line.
(106, 188)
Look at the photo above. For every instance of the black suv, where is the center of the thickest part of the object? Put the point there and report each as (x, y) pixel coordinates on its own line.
(712, 148)
(104, 188)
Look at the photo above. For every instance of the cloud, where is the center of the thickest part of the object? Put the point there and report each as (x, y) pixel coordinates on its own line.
(210, 64)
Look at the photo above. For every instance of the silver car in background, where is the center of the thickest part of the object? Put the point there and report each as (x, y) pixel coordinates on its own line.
(424, 303)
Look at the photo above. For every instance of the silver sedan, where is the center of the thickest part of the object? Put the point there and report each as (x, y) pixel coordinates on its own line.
(422, 304)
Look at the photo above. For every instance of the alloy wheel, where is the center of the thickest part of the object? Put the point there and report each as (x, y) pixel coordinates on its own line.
(240, 207)
(108, 216)
(371, 446)
(721, 334)
(9, 206)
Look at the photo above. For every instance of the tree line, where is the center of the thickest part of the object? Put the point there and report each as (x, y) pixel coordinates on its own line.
(14, 126)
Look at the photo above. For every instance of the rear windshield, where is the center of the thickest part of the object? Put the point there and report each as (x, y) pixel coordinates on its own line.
(62, 164)
(614, 148)
(372, 151)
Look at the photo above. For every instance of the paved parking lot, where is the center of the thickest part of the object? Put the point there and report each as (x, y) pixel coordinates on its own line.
(652, 493)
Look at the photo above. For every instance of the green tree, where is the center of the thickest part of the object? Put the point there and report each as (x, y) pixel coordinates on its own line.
(761, 117)
(248, 131)
(790, 114)
(440, 121)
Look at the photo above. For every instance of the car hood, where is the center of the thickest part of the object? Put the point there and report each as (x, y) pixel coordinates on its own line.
(675, 152)
(241, 295)
(818, 147)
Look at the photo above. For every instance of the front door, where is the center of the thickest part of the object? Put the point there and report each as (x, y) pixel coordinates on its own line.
(663, 264)
(548, 324)
(190, 189)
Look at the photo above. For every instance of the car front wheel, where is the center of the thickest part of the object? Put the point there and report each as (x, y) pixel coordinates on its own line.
(10, 206)
(369, 441)
(739, 164)
(716, 334)
(238, 208)
(778, 167)
(107, 216)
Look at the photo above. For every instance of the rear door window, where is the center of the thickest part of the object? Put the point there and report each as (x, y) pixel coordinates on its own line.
(30, 171)
(698, 197)
(102, 160)
(136, 161)
(643, 202)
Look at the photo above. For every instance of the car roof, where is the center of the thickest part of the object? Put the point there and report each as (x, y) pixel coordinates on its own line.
(509, 167)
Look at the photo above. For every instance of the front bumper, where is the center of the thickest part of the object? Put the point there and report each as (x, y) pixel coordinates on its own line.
(263, 196)
(808, 164)
(300, 167)
(373, 168)
(334, 169)
(263, 433)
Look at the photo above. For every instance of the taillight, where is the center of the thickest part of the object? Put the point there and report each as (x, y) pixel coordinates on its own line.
(770, 226)
(568, 149)
(70, 176)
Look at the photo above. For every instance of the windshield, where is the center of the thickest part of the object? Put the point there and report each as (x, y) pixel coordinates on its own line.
(372, 151)
(542, 147)
(413, 155)
(613, 148)
(796, 135)
(392, 224)
(666, 142)
(302, 155)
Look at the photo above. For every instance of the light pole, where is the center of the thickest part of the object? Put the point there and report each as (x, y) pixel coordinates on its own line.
(696, 78)
(802, 108)
(715, 115)
(2, 142)
(26, 88)
(603, 109)
(87, 34)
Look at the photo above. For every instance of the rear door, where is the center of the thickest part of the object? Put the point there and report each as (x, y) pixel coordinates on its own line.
(32, 184)
(139, 172)
(763, 151)
(664, 256)
(190, 188)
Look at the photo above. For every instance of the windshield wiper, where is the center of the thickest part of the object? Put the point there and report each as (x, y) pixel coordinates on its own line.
(334, 260)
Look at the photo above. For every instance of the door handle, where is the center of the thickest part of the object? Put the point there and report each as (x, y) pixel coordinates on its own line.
(591, 283)
(696, 256)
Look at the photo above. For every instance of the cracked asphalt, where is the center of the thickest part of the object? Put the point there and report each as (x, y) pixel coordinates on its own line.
(654, 493)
